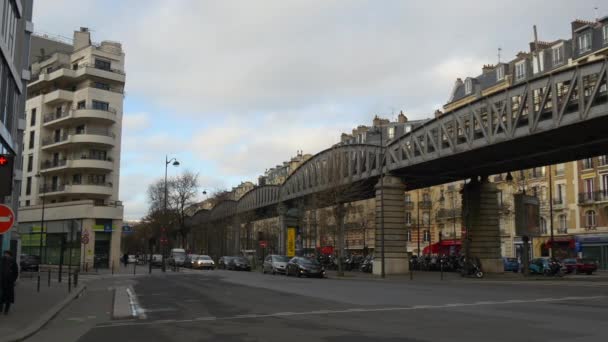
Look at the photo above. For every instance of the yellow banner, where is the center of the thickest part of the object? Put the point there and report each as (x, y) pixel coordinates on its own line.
(291, 242)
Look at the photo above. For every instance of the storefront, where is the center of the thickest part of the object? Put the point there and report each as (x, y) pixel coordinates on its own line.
(59, 241)
(563, 247)
(594, 247)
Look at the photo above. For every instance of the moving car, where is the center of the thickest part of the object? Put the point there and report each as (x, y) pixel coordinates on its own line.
(157, 260)
(29, 262)
(275, 264)
(203, 262)
(222, 263)
(177, 257)
(190, 260)
(300, 266)
(510, 264)
(574, 265)
(239, 263)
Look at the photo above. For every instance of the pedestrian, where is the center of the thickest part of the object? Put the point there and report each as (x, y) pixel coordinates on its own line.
(8, 276)
(125, 259)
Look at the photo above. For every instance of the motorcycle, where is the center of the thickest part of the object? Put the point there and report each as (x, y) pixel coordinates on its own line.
(470, 268)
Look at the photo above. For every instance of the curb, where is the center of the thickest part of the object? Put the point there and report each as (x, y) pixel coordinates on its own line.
(46, 317)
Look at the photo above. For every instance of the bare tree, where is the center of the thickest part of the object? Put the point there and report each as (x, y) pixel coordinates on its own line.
(183, 194)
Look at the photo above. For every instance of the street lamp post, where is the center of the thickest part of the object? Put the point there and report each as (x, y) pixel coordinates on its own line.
(38, 175)
(175, 163)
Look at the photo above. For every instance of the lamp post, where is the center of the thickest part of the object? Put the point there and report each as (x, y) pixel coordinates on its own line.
(38, 175)
(175, 163)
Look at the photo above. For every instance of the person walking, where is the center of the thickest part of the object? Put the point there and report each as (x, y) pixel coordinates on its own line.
(125, 259)
(8, 276)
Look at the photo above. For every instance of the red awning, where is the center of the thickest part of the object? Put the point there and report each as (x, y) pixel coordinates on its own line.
(561, 241)
(442, 247)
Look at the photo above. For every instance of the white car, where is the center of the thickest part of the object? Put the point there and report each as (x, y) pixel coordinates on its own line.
(203, 262)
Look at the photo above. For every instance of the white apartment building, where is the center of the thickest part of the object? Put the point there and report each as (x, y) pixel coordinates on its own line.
(72, 152)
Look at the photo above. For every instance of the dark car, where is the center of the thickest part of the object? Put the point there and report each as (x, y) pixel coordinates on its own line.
(223, 262)
(573, 265)
(29, 262)
(510, 264)
(190, 260)
(299, 266)
(239, 263)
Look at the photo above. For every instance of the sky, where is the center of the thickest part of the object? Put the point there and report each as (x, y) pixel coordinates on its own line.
(232, 88)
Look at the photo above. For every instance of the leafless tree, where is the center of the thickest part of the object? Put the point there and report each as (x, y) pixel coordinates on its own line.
(183, 194)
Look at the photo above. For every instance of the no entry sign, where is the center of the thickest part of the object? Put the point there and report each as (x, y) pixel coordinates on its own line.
(7, 218)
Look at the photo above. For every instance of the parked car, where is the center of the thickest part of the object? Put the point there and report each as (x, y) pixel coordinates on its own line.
(239, 263)
(275, 264)
(539, 265)
(300, 266)
(29, 262)
(157, 260)
(510, 264)
(575, 265)
(203, 262)
(190, 260)
(222, 263)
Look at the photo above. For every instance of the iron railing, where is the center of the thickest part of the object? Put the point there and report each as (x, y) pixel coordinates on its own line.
(425, 204)
(593, 196)
(49, 164)
(409, 205)
(444, 213)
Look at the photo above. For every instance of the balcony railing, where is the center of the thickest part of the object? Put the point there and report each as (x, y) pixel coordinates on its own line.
(562, 230)
(53, 140)
(558, 202)
(49, 164)
(425, 204)
(91, 65)
(52, 188)
(592, 197)
(87, 182)
(409, 205)
(90, 106)
(445, 213)
(55, 116)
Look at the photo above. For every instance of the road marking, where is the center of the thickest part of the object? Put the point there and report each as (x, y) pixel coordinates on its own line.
(354, 310)
(136, 309)
(157, 310)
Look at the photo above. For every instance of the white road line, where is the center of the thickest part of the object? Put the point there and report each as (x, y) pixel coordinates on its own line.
(356, 310)
(137, 311)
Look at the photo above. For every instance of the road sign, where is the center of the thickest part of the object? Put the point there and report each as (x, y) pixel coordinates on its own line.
(85, 238)
(6, 174)
(7, 218)
(263, 244)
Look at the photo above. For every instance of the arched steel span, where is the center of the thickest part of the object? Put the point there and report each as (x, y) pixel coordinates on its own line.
(555, 117)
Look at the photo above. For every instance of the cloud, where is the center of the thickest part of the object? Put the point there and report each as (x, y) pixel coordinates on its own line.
(135, 122)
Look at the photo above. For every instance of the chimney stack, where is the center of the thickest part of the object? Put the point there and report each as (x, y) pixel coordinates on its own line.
(82, 38)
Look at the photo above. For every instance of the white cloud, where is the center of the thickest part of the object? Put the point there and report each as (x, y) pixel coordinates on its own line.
(133, 122)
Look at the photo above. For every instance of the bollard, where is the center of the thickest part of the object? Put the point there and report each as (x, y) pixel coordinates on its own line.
(134, 268)
(49, 277)
(76, 279)
(86, 267)
(441, 270)
(112, 267)
(38, 286)
(69, 282)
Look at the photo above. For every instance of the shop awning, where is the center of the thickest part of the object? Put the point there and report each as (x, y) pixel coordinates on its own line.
(442, 247)
(561, 241)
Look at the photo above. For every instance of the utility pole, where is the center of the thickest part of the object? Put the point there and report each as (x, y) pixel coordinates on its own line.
(551, 210)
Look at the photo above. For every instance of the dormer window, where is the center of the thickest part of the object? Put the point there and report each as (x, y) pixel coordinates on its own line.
(557, 53)
(391, 132)
(520, 70)
(500, 72)
(584, 42)
(605, 33)
(468, 86)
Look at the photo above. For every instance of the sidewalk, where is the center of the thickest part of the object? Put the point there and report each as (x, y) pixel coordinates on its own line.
(32, 309)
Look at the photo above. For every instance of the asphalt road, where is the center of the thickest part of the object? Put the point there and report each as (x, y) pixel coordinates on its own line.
(243, 306)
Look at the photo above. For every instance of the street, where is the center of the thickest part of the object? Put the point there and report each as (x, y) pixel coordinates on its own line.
(249, 306)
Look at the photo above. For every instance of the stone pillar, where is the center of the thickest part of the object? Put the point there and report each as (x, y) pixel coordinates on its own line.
(391, 191)
(282, 211)
(236, 235)
(482, 222)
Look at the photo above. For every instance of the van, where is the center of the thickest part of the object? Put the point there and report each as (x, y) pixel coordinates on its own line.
(177, 257)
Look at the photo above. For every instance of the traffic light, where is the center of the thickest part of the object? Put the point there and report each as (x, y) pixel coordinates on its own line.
(6, 174)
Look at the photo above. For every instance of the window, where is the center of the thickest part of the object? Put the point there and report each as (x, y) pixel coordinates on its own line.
(500, 72)
(28, 186)
(590, 218)
(605, 33)
(30, 162)
(543, 225)
(588, 163)
(408, 198)
(27, 203)
(468, 86)
(520, 70)
(408, 217)
(588, 188)
(102, 64)
(536, 60)
(32, 139)
(99, 105)
(80, 129)
(77, 179)
(391, 132)
(33, 117)
(560, 169)
(584, 42)
(561, 188)
(563, 222)
(408, 128)
(100, 85)
(605, 185)
(426, 218)
(558, 55)
(81, 105)
(426, 197)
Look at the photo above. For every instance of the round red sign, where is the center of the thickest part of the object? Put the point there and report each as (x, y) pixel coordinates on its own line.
(7, 218)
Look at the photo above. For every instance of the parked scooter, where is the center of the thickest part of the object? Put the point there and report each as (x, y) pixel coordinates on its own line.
(471, 268)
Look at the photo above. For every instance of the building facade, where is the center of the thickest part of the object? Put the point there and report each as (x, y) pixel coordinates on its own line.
(70, 187)
(15, 30)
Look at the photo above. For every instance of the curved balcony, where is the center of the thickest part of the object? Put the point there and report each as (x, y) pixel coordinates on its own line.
(83, 114)
(51, 166)
(101, 138)
(103, 189)
(58, 96)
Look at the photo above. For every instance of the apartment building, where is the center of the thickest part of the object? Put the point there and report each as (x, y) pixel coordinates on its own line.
(72, 145)
(15, 30)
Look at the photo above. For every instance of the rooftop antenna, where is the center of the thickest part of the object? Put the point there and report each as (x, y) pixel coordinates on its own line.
(499, 51)
(596, 11)
(536, 49)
